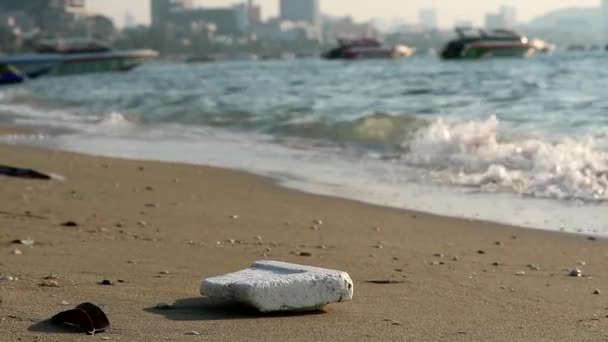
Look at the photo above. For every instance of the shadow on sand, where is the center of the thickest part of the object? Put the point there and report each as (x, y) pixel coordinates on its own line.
(48, 327)
(206, 309)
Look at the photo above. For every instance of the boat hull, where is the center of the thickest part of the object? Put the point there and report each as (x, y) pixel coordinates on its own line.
(82, 63)
(475, 51)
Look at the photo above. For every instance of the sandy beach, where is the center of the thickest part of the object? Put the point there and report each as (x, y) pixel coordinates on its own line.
(156, 230)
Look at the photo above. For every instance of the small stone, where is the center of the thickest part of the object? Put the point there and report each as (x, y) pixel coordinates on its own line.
(106, 282)
(258, 238)
(164, 272)
(165, 306)
(597, 292)
(314, 227)
(399, 270)
(151, 205)
(49, 283)
(534, 267)
(7, 278)
(455, 258)
(376, 229)
(52, 276)
(305, 254)
(317, 222)
(142, 223)
(520, 273)
(26, 242)
(193, 333)
(495, 264)
(234, 217)
(322, 247)
(64, 303)
(438, 255)
(498, 243)
(69, 224)
(379, 246)
(17, 252)
(592, 238)
(132, 262)
(231, 241)
(576, 273)
(582, 263)
(149, 188)
(435, 263)
(481, 252)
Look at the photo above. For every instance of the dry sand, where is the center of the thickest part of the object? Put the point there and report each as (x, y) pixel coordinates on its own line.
(136, 219)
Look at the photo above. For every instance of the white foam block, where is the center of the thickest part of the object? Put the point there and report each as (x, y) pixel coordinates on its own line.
(278, 286)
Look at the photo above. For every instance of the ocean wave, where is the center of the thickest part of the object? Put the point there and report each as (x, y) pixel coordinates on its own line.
(477, 154)
(378, 130)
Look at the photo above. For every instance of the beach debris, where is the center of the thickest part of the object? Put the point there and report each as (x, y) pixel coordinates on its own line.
(69, 224)
(234, 217)
(52, 276)
(379, 246)
(271, 286)
(498, 243)
(193, 333)
(385, 281)
(164, 273)
(582, 263)
(534, 267)
(481, 252)
(576, 273)
(304, 254)
(17, 252)
(258, 238)
(520, 273)
(317, 222)
(26, 242)
(437, 263)
(314, 227)
(151, 205)
(142, 223)
(64, 303)
(597, 292)
(106, 282)
(438, 255)
(85, 318)
(10, 171)
(165, 306)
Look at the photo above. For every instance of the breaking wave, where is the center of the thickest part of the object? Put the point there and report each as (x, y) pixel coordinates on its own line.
(477, 154)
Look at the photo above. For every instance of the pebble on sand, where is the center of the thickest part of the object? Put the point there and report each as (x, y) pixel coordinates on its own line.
(193, 333)
(576, 273)
(26, 242)
(317, 222)
(49, 283)
(17, 252)
(520, 273)
(69, 224)
(534, 267)
(597, 292)
(106, 282)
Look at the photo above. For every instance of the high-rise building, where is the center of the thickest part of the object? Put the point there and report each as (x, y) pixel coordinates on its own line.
(162, 9)
(428, 19)
(605, 15)
(301, 10)
(505, 18)
(129, 21)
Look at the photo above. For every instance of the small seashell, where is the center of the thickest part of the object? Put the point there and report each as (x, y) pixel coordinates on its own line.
(534, 267)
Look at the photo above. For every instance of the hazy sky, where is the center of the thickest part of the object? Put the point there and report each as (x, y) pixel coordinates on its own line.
(449, 10)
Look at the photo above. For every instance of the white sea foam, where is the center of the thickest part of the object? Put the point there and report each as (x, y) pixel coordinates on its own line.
(476, 154)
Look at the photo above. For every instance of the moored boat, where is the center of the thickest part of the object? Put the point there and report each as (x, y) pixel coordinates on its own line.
(367, 48)
(77, 58)
(477, 43)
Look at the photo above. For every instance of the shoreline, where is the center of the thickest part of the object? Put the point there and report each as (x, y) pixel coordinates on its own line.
(458, 278)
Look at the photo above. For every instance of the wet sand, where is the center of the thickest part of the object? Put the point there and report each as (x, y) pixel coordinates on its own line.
(135, 220)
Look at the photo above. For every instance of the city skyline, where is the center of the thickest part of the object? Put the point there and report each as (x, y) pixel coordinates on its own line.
(448, 12)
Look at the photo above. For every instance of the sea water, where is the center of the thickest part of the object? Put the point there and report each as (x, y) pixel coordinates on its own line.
(519, 141)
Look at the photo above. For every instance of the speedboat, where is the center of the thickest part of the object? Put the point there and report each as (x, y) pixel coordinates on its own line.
(76, 57)
(367, 48)
(477, 43)
(10, 75)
